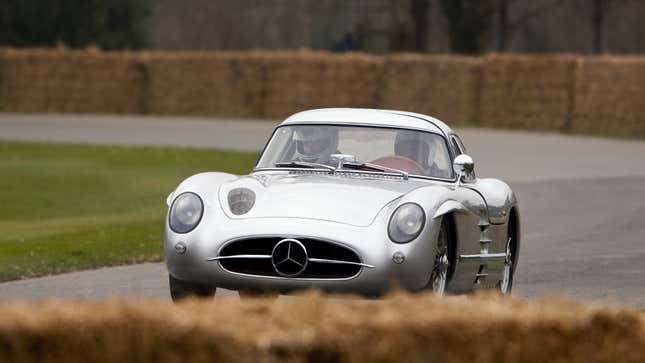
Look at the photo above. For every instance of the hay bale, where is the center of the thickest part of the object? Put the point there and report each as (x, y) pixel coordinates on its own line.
(609, 97)
(36, 80)
(314, 327)
(527, 92)
(3, 88)
(296, 81)
(441, 86)
(205, 83)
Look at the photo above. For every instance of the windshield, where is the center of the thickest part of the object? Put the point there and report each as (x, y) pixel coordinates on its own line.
(411, 151)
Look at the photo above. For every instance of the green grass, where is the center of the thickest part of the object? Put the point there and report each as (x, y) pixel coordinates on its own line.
(71, 207)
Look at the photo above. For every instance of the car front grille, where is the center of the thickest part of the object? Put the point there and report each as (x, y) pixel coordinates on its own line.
(326, 260)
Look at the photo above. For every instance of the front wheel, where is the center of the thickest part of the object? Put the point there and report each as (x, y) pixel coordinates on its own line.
(180, 289)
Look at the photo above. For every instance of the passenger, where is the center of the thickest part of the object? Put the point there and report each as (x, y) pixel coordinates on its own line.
(414, 146)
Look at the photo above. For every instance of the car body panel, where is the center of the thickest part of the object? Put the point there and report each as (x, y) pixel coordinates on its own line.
(350, 209)
(355, 201)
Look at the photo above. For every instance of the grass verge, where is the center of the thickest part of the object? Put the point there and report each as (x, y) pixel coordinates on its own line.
(71, 207)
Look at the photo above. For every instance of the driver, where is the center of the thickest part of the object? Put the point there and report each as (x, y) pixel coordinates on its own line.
(315, 144)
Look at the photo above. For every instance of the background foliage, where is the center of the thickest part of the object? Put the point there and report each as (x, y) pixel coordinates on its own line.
(112, 24)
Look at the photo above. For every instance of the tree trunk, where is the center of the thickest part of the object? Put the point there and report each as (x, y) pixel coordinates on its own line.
(598, 23)
(419, 12)
(502, 25)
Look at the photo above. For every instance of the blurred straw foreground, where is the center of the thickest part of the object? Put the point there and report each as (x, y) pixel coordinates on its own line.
(317, 328)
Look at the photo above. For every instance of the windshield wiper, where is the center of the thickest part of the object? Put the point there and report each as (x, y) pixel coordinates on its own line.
(375, 167)
(304, 164)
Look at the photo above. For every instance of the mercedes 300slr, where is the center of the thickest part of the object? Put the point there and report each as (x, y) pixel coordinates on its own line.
(346, 200)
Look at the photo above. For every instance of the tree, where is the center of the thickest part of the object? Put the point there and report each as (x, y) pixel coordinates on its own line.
(505, 28)
(419, 10)
(468, 21)
(598, 21)
(113, 24)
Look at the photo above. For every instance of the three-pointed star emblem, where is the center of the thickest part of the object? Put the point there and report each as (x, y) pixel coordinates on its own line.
(289, 257)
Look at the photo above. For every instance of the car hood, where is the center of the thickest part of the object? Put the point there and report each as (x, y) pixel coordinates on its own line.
(343, 199)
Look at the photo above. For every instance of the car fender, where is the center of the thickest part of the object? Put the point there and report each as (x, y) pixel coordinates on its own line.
(499, 199)
(204, 184)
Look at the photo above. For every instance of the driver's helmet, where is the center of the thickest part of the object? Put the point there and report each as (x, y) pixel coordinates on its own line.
(315, 143)
(412, 145)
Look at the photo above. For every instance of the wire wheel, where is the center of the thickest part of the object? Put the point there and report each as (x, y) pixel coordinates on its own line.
(506, 284)
(439, 276)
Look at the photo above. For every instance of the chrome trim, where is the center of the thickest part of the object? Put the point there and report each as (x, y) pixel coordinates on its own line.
(384, 169)
(291, 278)
(483, 257)
(290, 242)
(316, 260)
(439, 131)
(281, 236)
(226, 243)
(324, 260)
(349, 171)
(238, 256)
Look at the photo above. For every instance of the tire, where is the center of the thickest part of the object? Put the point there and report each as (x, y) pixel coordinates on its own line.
(443, 259)
(505, 286)
(180, 289)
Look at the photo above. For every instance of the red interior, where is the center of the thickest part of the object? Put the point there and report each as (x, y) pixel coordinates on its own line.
(400, 163)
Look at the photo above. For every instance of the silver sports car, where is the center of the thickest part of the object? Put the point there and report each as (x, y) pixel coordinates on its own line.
(348, 200)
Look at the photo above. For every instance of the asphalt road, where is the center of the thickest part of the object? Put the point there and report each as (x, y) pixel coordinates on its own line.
(581, 198)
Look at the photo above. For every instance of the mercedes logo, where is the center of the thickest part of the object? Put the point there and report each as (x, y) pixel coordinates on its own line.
(289, 257)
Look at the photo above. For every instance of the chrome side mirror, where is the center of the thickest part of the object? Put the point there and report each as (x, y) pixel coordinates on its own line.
(463, 165)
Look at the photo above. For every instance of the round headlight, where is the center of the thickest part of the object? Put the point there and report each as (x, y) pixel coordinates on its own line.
(406, 223)
(186, 212)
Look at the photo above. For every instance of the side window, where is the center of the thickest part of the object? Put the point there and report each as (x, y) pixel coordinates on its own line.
(457, 146)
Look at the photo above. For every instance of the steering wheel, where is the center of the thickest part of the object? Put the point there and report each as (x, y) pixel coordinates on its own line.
(401, 163)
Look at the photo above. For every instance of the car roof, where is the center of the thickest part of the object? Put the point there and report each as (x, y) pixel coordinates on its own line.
(366, 116)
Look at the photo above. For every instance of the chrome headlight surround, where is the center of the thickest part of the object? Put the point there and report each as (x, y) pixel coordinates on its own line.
(406, 223)
(186, 212)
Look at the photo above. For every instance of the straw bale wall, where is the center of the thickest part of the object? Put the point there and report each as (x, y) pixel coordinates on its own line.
(444, 87)
(527, 92)
(224, 84)
(305, 80)
(70, 81)
(591, 95)
(610, 97)
(316, 328)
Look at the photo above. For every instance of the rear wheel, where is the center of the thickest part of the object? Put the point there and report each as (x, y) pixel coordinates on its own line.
(180, 289)
(506, 284)
(441, 264)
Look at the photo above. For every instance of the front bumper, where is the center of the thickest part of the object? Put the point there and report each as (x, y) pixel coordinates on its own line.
(371, 243)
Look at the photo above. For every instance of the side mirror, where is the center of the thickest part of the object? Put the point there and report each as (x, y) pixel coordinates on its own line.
(463, 165)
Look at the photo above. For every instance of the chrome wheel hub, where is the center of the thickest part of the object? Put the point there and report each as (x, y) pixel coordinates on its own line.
(439, 275)
(508, 269)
